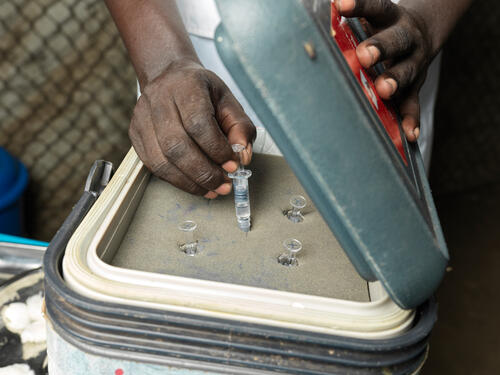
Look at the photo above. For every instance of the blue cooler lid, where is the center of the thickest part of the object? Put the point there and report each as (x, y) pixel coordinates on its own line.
(13, 179)
(369, 184)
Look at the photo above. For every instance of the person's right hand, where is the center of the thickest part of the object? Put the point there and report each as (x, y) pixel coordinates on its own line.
(184, 125)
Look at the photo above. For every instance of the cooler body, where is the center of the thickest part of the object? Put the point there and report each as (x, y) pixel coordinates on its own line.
(66, 358)
(105, 316)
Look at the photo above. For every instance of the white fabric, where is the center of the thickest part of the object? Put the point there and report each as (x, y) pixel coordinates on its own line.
(201, 19)
(201, 16)
(428, 94)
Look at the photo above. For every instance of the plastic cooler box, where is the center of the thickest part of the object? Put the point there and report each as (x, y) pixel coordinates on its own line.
(122, 298)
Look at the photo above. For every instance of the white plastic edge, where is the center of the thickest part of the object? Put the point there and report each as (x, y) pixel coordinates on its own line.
(86, 273)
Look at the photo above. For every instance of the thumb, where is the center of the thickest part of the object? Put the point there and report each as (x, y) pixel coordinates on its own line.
(236, 125)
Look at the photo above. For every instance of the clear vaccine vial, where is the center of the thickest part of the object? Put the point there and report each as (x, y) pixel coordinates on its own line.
(241, 191)
(298, 202)
(188, 244)
(292, 247)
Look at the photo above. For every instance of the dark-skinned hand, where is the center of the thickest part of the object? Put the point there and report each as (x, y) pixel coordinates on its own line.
(401, 40)
(184, 125)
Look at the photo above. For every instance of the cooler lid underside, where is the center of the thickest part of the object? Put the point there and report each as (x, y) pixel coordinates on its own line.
(379, 207)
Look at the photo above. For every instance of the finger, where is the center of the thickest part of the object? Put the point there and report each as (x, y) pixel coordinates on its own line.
(235, 123)
(410, 113)
(369, 30)
(410, 110)
(247, 156)
(399, 77)
(386, 86)
(211, 195)
(144, 140)
(197, 114)
(181, 150)
(389, 43)
(377, 12)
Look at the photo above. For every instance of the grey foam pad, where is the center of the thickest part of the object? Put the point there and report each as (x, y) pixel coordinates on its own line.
(228, 255)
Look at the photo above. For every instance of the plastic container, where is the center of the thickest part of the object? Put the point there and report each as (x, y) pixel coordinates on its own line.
(13, 182)
(88, 268)
(21, 240)
(94, 327)
(18, 256)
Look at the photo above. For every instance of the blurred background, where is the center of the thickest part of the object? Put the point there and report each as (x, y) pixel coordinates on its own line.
(67, 92)
(465, 178)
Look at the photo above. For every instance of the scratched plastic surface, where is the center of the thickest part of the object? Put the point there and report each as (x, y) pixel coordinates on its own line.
(227, 254)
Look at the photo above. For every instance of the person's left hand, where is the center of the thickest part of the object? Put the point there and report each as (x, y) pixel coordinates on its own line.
(401, 40)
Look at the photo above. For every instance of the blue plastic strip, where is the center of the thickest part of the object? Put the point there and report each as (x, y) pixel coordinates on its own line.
(21, 240)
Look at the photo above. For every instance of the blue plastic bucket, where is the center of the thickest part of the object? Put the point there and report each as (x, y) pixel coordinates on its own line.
(13, 181)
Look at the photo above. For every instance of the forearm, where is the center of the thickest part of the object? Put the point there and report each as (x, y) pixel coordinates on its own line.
(153, 33)
(439, 15)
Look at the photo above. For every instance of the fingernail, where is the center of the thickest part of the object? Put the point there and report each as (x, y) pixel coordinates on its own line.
(367, 55)
(224, 189)
(416, 132)
(374, 54)
(394, 85)
(211, 195)
(250, 150)
(247, 155)
(230, 166)
(346, 5)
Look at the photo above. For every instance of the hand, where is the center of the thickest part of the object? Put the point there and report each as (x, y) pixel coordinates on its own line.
(403, 42)
(183, 127)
